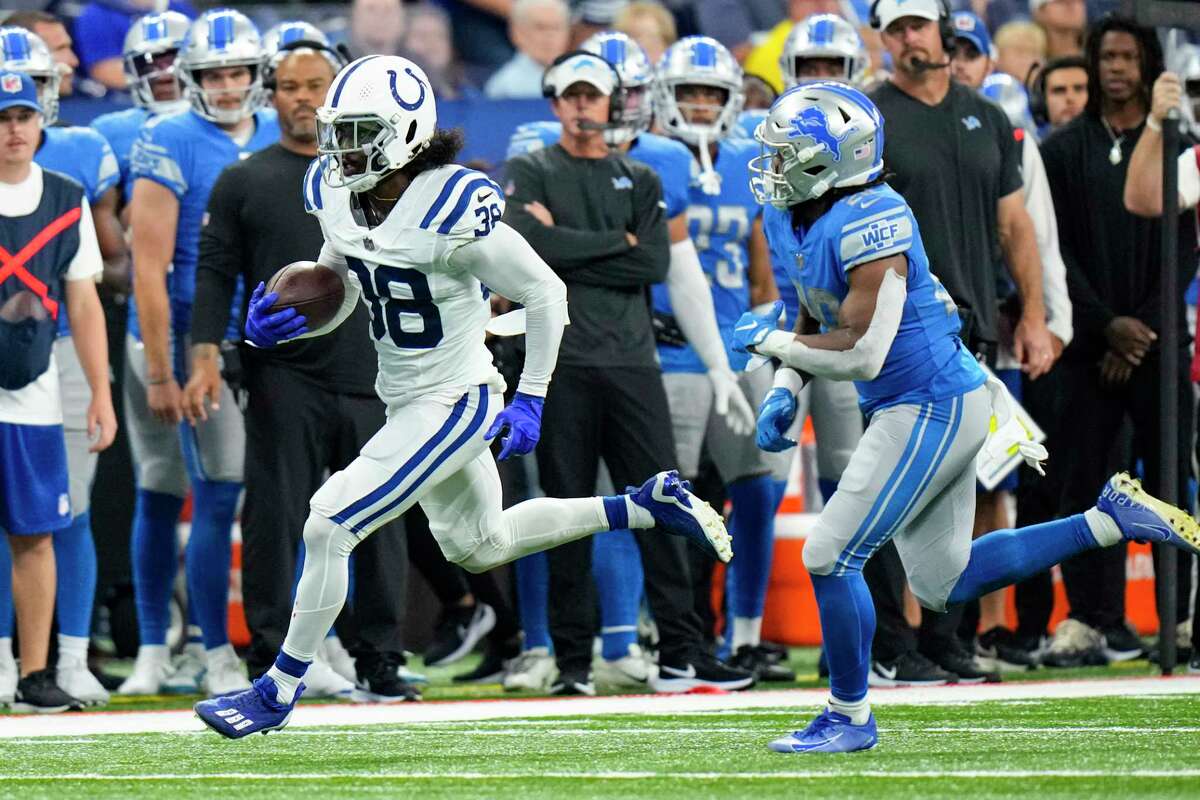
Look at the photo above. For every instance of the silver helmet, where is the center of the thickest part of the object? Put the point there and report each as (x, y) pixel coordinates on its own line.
(697, 61)
(222, 38)
(22, 51)
(1189, 73)
(1007, 92)
(149, 43)
(824, 36)
(637, 74)
(288, 33)
(816, 137)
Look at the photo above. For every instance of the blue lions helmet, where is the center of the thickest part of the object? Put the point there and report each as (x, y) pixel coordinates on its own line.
(636, 74)
(824, 36)
(816, 137)
(22, 51)
(697, 61)
(222, 38)
(1007, 92)
(150, 55)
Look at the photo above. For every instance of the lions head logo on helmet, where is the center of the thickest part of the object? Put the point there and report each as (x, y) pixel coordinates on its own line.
(221, 66)
(22, 51)
(378, 115)
(816, 137)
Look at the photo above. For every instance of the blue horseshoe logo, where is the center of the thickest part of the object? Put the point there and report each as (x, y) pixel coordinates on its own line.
(392, 83)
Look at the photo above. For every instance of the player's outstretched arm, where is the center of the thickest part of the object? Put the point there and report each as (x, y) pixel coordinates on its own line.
(854, 351)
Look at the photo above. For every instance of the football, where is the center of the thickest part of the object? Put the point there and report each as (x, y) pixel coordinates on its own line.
(315, 291)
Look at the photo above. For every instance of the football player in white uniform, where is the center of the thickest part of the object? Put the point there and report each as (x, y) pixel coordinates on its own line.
(420, 241)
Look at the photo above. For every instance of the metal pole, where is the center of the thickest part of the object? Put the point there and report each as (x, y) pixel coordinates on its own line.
(1169, 387)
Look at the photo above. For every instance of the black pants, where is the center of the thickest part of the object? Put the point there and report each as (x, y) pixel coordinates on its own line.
(1095, 580)
(295, 431)
(885, 577)
(620, 415)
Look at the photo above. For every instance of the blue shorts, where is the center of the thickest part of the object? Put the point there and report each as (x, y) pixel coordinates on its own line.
(34, 490)
(1011, 378)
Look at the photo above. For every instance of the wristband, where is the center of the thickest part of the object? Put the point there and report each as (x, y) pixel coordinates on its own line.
(1153, 124)
(158, 381)
(790, 379)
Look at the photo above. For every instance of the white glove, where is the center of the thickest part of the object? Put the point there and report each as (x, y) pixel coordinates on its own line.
(1009, 434)
(730, 403)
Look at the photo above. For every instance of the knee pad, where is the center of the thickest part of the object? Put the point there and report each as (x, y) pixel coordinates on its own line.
(820, 554)
(323, 536)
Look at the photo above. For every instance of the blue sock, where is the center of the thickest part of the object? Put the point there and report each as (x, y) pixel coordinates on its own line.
(1002, 558)
(533, 593)
(153, 547)
(753, 528)
(7, 621)
(617, 567)
(75, 558)
(827, 487)
(847, 628)
(778, 490)
(214, 504)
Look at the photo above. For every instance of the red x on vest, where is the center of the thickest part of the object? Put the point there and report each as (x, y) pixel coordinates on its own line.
(14, 265)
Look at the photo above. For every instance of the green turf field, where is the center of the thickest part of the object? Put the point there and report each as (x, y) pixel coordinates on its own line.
(1089, 748)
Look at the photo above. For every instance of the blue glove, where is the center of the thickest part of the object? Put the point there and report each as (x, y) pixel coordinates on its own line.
(752, 329)
(265, 329)
(523, 418)
(775, 417)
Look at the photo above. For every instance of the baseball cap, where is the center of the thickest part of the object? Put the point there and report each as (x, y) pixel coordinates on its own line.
(579, 68)
(888, 11)
(970, 27)
(18, 89)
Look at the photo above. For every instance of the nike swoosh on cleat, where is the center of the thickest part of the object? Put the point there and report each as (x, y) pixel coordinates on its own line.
(1158, 530)
(679, 673)
(822, 743)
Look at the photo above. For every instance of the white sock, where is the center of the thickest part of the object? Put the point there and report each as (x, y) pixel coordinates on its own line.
(746, 631)
(286, 685)
(1103, 527)
(858, 712)
(74, 648)
(638, 516)
(154, 652)
(6, 648)
(222, 653)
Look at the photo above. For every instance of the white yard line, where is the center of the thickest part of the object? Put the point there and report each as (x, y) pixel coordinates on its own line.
(779, 701)
(582, 775)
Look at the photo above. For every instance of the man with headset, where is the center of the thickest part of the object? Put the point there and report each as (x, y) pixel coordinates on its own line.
(955, 160)
(598, 219)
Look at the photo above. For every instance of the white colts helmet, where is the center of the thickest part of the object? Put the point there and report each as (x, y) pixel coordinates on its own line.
(637, 76)
(816, 137)
(22, 51)
(148, 41)
(824, 36)
(381, 107)
(222, 38)
(697, 61)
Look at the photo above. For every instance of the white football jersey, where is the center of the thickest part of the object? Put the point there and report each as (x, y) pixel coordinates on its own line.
(427, 318)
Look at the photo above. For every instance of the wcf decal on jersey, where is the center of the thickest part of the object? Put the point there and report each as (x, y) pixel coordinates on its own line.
(10, 83)
(882, 234)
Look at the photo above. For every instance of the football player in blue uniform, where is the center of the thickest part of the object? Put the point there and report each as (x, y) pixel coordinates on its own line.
(82, 154)
(875, 314)
(175, 162)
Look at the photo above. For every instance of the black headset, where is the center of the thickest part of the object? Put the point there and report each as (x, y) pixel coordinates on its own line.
(340, 53)
(945, 27)
(616, 102)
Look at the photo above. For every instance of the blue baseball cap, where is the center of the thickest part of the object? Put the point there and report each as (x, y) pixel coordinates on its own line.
(18, 89)
(970, 27)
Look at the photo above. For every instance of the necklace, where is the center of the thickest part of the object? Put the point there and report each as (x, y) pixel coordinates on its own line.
(1114, 155)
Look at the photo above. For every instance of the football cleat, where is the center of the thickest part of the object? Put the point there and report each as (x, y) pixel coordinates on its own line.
(187, 675)
(224, 674)
(534, 669)
(631, 671)
(1142, 517)
(681, 513)
(73, 677)
(256, 710)
(830, 732)
(702, 672)
(152, 667)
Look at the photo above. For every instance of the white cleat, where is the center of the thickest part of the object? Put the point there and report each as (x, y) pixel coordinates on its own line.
(151, 668)
(8, 680)
(322, 680)
(633, 671)
(224, 675)
(74, 678)
(533, 670)
(187, 676)
(334, 653)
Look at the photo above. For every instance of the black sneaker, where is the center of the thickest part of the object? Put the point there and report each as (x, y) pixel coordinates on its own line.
(964, 665)
(572, 684)
(496, 656)
(1183, 654)
(702, 670)
(773, 652)
(458, 631)
(756, 661)
(908, 669)
(37, 693)
(379, 680)
(1000, 648)
(1194, 665)
(1121, 643)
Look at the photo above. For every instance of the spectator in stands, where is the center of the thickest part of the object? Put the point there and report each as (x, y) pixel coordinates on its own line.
(376, 27)
(1062, 91)
(648, 24)
(53, 32)
(1064, 22)
(764, 59)
(1020, 49)
(481, 34)
(539, 29)
(1111, 370)
(734, 23)
(100, 35)
(427, 41)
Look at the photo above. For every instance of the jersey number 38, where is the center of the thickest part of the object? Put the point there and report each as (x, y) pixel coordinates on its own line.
(393, 293)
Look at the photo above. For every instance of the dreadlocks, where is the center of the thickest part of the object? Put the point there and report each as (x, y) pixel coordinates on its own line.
(1150, 58)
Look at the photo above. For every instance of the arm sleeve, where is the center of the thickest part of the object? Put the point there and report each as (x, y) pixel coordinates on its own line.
(87, 263)
(221, 260)
(688, 289)
(1040, 205)
(335, 261)
(508, 265)
(650, 260)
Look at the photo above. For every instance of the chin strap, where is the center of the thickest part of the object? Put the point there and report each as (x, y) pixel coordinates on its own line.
(710, 181)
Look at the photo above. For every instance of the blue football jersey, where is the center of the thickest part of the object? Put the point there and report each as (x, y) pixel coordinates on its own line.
(185, 153)
(927, 360)
(670, 159)
(84, 155)
(747, 121)
(720, 228)
(121, 129)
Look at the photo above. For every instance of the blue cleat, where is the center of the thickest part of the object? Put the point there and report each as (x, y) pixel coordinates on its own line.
(681, 513)
(254, 710)
(1142, 517)
(830, 732)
